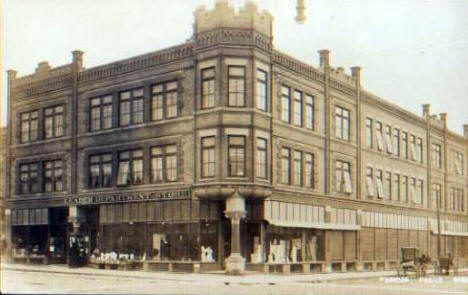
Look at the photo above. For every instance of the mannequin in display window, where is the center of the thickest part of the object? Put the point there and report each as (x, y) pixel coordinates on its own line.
(206, 254)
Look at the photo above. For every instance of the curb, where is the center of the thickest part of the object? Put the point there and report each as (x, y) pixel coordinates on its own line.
(293, 278)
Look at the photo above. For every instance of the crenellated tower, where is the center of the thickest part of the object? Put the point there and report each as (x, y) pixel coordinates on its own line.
(225, 25)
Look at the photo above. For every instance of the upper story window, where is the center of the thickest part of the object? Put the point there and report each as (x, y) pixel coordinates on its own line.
(404, 188)
(388, 139)
(262, 90)
(29, 126)
(262, 158)
(458, 163)
(419, 151)
(404, 144)
(437, 155)
(420, 192)
(370, 182)
(53, 122)
(286, 104)
(236, 86)
(369, 133)
(396, 187)
(437, 195)
(342, 123)
(388, 185)
(53, 176)
(343, 177)
(297, 159)
(101, 113)
(396, 141)
(309, 112)
(285, 166)
(131, 107)
(413, 192)
(236, 151)
(297, 108)
(100, 170)
(379, 135)
(379, 184)
(208, 88)
(164, 164)
(414, 155)
(310, 170)
(164, 101)
(130, 168)
(29, 178)
(208, 158)
(457, 199)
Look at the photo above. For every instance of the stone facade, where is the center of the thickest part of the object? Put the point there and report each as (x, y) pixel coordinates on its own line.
(322, 203)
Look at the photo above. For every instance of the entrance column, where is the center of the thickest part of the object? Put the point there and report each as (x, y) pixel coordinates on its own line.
(76, 218)
(235, 211)
(358, 242)
(326, 242)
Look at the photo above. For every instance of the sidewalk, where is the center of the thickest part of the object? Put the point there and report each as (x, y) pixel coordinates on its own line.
(247, 278)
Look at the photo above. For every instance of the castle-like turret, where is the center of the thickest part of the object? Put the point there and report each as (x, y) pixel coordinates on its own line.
(225, 24)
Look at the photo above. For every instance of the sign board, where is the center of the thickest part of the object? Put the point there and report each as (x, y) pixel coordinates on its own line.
(121, 198)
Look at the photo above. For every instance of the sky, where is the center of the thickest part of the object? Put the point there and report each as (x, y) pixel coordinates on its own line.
(411, 52)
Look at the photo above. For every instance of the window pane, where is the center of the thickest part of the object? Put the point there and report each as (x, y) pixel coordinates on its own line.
(171, 168)
(262, 90)
(107, 117)
(124, 113)
(297, 108)
(125, 95)
(285, 166)
(261, 158)
(297, 168)
(285, 104)
(157, 107)
(138, 111)
(157, 169)
(137, 171)
(123, 177)
(171, 105)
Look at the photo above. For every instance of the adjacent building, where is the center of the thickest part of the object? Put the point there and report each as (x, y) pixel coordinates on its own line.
(227, 153)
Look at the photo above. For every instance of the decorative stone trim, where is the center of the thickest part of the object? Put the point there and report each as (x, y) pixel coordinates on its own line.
(138, 63)
(235, 36)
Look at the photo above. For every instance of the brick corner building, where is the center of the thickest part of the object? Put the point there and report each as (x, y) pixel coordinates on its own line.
(224, 153)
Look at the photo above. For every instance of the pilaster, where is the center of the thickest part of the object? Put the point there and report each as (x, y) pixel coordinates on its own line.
(325, 66)
(356, 74)
(77, 64)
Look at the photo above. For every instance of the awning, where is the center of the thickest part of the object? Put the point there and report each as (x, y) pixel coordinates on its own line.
(30, 216)
(287, 214)
(449, 227)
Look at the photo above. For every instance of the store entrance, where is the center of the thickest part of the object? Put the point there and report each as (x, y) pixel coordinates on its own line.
(90, 229)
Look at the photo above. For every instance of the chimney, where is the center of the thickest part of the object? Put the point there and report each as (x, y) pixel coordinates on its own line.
(465, 130)
(42, 67)
(426, 110)
(443, 117)
(324, 58)
(300, 17)
(78, 58)
(356, 74)
(12, 74)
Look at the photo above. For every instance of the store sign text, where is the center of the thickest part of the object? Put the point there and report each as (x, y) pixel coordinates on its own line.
(100, 199)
